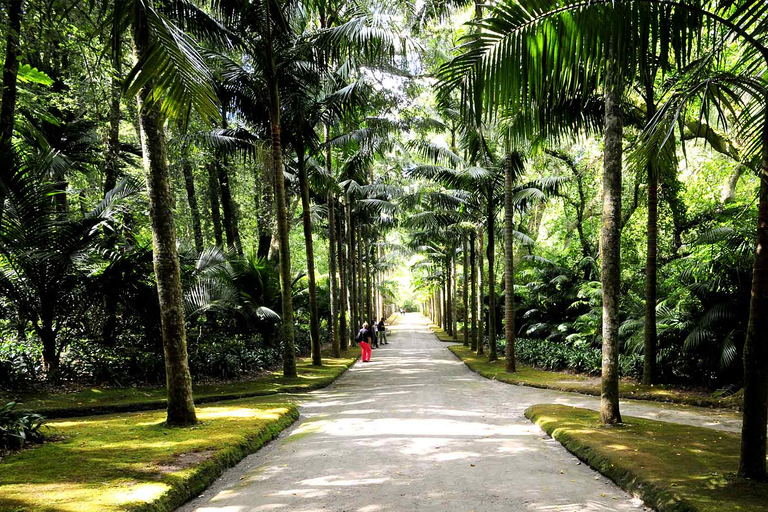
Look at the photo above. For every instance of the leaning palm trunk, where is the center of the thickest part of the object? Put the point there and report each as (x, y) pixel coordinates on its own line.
(335, 347)
(181, 408)
(306, 218)
(283, 232)
(753, 433)
(473, 279)
(610, 246)
(509, 270)
(481, 282)
(492, 355)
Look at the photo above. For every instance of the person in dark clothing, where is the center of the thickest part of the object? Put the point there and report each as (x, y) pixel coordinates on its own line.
(364, 338)
(383, 332)
(375, 335)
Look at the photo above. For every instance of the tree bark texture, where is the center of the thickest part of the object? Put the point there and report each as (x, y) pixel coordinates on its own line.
(492, 355)
(610, 247)
(753, 433)
(333, 321)
(189, 184)
(181, 408)
(480, 301)
(213, 194)
(306, 220)
(473, 279)
(465, 287)
(509, 269)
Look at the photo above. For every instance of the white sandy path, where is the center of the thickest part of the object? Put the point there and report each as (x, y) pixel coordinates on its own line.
(414, 430)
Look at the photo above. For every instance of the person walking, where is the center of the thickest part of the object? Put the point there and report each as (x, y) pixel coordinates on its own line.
(375, 334)
(364, 339)
(383, 332)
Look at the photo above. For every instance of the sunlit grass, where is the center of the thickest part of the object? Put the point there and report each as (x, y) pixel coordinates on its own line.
(98, 399)
(666, 463)
(585, 384)
(120, 461)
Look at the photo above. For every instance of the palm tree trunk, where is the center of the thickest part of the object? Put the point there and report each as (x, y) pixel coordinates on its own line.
(360, 276)
(10, 74)
(306, 219)
(610, 246)
(283, 231)
(335, 346)
(189, 184)
(181, 408)
(448, 309)
(492, 355)
(465, 288)
(509, 269)
(753, 432)
(368, 287)
(213, 193)
(481, 282)
(473, 279)
(353, 275)
(227, 202)
(454, 294)
(112, 163)
(265, 216)
(343, 282)
(649, 331)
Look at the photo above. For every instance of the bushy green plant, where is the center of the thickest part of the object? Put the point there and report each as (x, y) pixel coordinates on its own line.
(18, 428)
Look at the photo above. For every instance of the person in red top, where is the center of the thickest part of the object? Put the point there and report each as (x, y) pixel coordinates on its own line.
(364, 338)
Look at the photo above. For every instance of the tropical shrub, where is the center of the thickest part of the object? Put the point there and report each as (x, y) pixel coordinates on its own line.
(19, 428)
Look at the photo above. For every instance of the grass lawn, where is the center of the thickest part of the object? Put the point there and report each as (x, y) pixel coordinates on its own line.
(106, 400)
(131, 461)
(444, 336)
(588, 385)
(672, 467)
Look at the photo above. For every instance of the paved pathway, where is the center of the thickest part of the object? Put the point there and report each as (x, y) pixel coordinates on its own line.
(414, 430)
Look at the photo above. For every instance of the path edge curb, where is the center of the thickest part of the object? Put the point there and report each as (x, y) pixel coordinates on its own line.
(653, 496)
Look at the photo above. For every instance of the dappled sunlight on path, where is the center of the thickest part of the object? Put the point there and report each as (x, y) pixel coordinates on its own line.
(413, 430)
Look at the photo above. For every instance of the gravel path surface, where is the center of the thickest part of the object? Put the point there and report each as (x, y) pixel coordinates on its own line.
(414, 430)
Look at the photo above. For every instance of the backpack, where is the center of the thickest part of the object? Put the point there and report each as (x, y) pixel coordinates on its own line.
(360, 336)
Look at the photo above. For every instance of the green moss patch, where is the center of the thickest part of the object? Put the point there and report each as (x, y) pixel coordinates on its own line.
(672, 467)
(443, 336)
(132, 461)
(109, 400)
(586, 384)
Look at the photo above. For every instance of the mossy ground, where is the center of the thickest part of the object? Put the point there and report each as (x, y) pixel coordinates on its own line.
(672, 467)
(588, 385)
(132, 461)
(444, 336)
(107, 400)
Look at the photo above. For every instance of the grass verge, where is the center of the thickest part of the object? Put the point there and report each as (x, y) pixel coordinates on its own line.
(92, 401)
(132, 461)
(444, 336)
(588, 385)
(672, 467)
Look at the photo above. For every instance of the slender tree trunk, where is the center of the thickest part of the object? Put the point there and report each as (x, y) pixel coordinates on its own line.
(610, 246)
(481, 282)
(354, 276)
(112, 163)
(335, 345)
(368, 287)
(283, 230)
(189, 184)
(10, 74)
(306, 219)
(181, 408)
(753, 432)
(448, 298)
(509, 269)
(649, 334)
(264, 198)
(473, 279)
(465, 288)
(51, 360)
(227, 202)
(343, 281)
(360, 276)
(492, 355)
(454, 294)
(213, 192)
